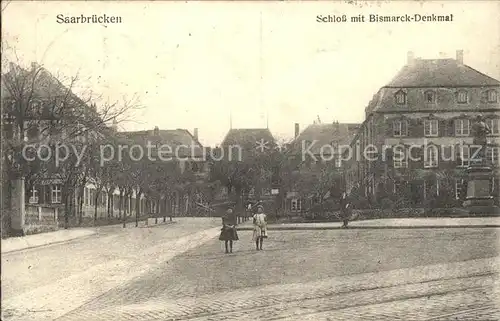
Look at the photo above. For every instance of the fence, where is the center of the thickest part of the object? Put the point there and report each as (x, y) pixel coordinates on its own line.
(41, 215)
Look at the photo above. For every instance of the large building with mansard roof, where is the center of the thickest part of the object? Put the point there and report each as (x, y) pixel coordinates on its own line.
(427, 110)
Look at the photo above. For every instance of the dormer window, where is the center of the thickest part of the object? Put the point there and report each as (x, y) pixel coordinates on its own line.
(430, 97)
(492, 96)
(462, 97)
(400, 98)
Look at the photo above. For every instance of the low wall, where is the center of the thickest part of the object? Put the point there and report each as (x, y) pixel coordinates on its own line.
(40, 219)
(367, 214)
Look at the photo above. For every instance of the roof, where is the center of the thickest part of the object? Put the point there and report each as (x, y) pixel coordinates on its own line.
(247, 138)
(325, 134)
(440, 73)
(41, 85)
(45, 85)
(180, 140)
(443, 76)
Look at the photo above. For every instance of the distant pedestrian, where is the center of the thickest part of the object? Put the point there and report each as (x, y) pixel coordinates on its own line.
(345, 209)
(259, 227)
(228, 232)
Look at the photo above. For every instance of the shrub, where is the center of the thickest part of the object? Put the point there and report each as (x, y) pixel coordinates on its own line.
(386, 203)
(361, 202)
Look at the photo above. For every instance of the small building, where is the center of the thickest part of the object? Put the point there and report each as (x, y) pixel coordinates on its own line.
(316, 163)
(240, 144)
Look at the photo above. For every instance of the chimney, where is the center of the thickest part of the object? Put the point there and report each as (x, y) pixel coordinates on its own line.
(297, 130)
(195, 133)
(460, 56)
(34, 65)
(115, 125)
(156, 131)
(410, 57)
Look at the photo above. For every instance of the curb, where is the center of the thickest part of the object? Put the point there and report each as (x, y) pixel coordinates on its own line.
(158, 224)
(306, 228)
(79, 238)
(49, 244)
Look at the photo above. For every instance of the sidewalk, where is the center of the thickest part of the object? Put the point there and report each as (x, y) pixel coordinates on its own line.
(36, 240)
(399, 223)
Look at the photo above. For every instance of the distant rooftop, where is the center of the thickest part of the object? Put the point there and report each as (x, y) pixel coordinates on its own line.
(248, 137)
(440, 73)
(326, 134)
(175, 138)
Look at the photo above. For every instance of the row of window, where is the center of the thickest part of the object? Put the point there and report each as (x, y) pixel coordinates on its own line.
(55, 195)
(462, 127)
(462, 97)
(431, 157)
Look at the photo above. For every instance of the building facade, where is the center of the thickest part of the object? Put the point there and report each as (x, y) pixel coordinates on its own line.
(417, 136)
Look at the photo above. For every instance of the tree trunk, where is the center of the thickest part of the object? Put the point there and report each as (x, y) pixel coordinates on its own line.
(80, 204)
(238, 205)
(120, 204)
(97, 195)
(109, 204)
(66, 211)
(137, 207)
(78, 208)
(125, 204)
(131, 209)
(156, 211)
(112, 205)
(124, 218)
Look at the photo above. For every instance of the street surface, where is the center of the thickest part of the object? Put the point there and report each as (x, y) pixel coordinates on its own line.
(179, 272)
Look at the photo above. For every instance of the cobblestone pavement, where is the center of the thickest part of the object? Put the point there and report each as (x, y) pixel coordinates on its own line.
(319, 275)
(44, 283)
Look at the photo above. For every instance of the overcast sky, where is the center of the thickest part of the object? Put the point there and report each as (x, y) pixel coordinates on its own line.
(191, 63)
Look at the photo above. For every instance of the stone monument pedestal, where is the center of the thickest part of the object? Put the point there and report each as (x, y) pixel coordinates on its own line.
(479, 201)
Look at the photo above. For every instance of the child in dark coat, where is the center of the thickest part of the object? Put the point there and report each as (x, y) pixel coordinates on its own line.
(228, 232)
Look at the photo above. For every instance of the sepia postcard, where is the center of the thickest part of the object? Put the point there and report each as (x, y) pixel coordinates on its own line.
(250, 160)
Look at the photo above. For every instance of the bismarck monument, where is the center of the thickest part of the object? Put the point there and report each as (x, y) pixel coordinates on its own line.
(479, 200)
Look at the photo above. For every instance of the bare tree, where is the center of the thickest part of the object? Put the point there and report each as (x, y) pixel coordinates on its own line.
(40, 108)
